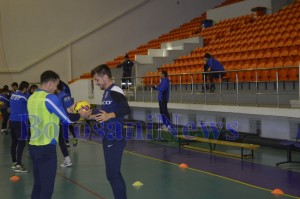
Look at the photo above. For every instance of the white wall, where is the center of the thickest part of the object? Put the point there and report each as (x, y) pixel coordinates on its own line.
(2, 54)
(278, 4)
(81, 91)
(276, 128)
(244, 8)
(34, 29)
(271, 127)
(275, 122)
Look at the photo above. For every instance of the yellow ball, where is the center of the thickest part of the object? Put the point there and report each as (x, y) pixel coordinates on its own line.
(84, 105)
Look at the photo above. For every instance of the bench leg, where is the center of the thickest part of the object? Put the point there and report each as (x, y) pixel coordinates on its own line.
(289, 157)
(212, 148)
(183, 142)
(246, 155)
(242, 153)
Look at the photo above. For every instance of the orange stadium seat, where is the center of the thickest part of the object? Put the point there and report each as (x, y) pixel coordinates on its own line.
(284, 51)
(239, 43)
(293, 74)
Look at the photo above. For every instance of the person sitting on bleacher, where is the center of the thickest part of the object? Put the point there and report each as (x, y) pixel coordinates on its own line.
(216, 70)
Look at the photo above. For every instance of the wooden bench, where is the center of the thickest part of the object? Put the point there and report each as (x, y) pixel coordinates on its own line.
(185, 140)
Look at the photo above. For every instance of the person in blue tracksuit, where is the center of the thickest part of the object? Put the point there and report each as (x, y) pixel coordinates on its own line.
(66, 88)
(67, 102)
(4, 99)
(17, 122)
(45, 112)
(111, 119)
(32, 88)
(67, 92)
(14, 86)
(163, 98)
(215, 67)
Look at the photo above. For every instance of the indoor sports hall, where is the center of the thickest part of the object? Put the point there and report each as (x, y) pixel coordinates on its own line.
(233, 134)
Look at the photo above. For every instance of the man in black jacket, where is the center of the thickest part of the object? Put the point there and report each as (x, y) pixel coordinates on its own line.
(127, 69)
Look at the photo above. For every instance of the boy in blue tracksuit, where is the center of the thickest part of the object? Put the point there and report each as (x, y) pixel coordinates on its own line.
(45, 112)
(163, 98)
(4, 98)
(18, 125)
(111, 118)
(215, 67)
(67, 98)
(67, 102)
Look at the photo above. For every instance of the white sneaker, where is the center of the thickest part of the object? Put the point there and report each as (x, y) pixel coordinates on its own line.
(66, 164)
(20, 169)
(4, 131)
(13, 165)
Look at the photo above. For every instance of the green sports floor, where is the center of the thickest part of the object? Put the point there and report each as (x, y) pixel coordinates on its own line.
(155, 164)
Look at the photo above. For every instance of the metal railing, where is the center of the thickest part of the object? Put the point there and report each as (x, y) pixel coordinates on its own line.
(231, 90)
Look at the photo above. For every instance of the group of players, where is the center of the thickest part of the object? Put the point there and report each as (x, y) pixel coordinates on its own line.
(47, 111)
(13, 105)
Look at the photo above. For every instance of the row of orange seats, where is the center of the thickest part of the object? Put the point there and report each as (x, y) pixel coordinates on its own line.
(256, 75)
(227, 47)
(291, 52)
(256, 54)
(282, 74)
(255, 26)
(218, 28)
(279, 45)
(255, 38)
(238, 64)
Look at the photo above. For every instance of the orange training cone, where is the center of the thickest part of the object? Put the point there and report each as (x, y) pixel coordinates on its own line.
(277, 192)
(14, 178)
(183, 165)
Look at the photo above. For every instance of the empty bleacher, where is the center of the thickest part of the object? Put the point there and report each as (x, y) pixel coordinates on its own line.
(252, 48)
(263, 44)
(187, 30)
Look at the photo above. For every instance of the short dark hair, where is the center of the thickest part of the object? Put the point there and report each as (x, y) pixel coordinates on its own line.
(207, 55)
(23, 85)
(14, 84)
(48, 75)
(33, 86)
(60, 86)
(165, 73)
(5, 88)
(101, 70)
